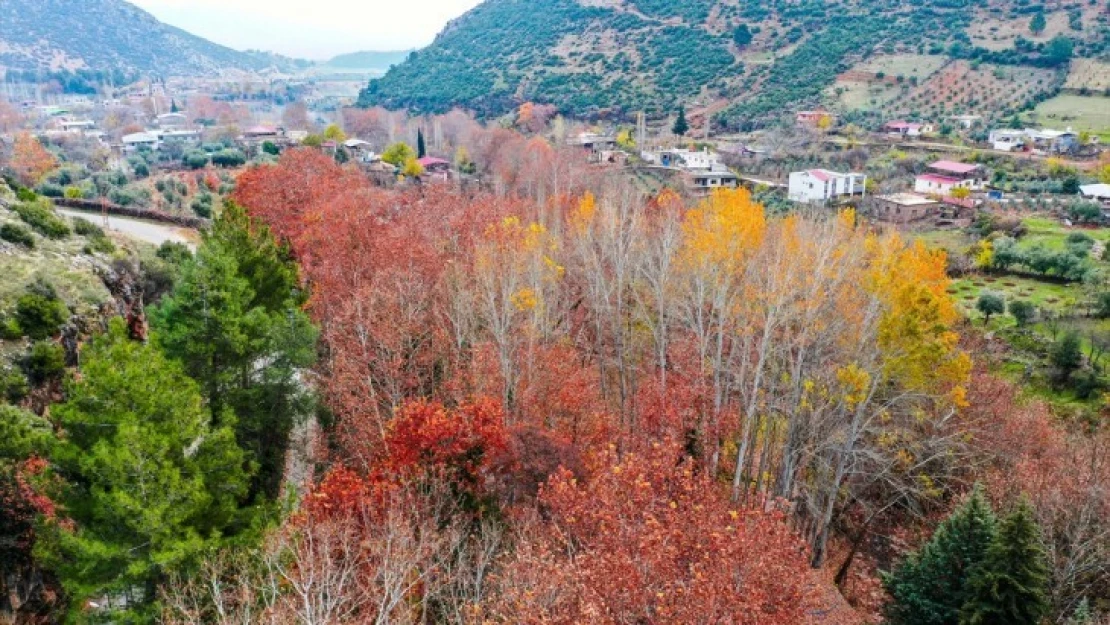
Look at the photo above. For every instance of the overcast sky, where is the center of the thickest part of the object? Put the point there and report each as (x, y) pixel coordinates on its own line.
(314, 29)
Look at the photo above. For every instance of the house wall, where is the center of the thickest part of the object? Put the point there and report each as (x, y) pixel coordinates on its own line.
(805, 188)
(900, 213)
(929, 187)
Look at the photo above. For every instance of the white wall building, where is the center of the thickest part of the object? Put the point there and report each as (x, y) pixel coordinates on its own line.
(815, 186)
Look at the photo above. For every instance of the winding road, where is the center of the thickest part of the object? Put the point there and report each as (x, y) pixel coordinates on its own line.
(148, 231)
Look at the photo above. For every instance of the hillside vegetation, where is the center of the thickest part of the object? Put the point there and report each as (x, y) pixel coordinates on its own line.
(108, 36)
(609, 57)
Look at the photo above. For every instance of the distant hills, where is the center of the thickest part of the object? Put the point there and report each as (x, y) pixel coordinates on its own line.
(745, 60)
(368, 60)
(111, 36)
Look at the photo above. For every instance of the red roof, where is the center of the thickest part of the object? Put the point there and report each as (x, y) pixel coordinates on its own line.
(428, 161)
(954, 167)
(261, 130)
(938, 179)
(820, 174)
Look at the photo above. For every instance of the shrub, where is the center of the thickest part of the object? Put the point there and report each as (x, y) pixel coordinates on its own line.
(13, 385)
(99, 244)
(202, 205)
(229, 158)
(85, 228)
(46, 362)
(991, 304)
(50, 189)
(20, 235)
(1066, 356)
(40, 215)
(1022, 311)
(195, 159)
(40, 312)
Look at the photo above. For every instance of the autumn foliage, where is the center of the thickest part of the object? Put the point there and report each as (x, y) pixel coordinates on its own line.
(30, 160)
(807, 371)
(648, 538)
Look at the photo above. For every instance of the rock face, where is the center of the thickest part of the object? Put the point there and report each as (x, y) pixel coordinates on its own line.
(123, 280)
(108, 36)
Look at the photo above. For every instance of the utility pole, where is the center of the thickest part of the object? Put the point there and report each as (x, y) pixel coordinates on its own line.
(641, 131)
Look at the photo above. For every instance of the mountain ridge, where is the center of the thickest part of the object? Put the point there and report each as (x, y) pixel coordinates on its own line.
(598, 58)
(110, 35)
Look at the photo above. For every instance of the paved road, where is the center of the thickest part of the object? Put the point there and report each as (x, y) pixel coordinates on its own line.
(148, 231)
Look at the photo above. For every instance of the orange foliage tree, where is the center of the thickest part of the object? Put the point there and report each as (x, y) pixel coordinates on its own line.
(649, 538)
(30, 160)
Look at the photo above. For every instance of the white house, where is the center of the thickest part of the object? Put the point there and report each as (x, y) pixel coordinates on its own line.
(137, 140)
(172, 120)
(1096, 192)
(936, 184)
(907, 129)
(1007, 140)
(944, 176)
(77, 125)
(683, 158)
(815, 186)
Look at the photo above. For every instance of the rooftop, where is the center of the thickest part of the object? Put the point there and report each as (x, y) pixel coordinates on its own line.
(954, 167)
(939, 179)
(907, 199)
(428, 161)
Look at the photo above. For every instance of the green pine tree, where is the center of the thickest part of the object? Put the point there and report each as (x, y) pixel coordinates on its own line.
(421, 149)
(1008, 588)
(147, 481)
(1038, 24)
(931, 586)
(235, 320)
(681, 127)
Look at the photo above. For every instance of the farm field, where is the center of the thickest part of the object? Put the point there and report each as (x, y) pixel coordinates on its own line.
(920, 65)
(1080, 112)
(1089, 74)
(861, 89)
(989, 90)
(1000, 34)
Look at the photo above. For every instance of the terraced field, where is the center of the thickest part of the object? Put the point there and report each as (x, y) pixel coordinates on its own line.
(958, 88)
(874, 83)
(1089, 74)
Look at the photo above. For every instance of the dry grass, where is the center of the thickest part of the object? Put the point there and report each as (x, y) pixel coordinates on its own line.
(1080, 112)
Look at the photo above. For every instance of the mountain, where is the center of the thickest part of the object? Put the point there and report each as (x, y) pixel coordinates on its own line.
(368, 60)
(748, 60)
(108, 36)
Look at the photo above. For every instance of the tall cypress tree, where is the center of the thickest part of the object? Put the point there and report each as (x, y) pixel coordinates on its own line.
(421, 149)
(235, 321)
(1009, 587)
(681, 126)
(931, 586)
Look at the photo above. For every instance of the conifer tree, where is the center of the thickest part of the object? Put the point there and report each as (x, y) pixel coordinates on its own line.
(421, 149)
(931, 586)
(238, 305)
(1008, 588)
(147, 482)
(680, 124)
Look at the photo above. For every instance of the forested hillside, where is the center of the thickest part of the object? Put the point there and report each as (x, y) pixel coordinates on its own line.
(593, 58)
(107, 36)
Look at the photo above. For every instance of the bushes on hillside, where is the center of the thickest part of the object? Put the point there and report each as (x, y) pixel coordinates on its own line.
(39, 312)
(20, 235)
(40, 215)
